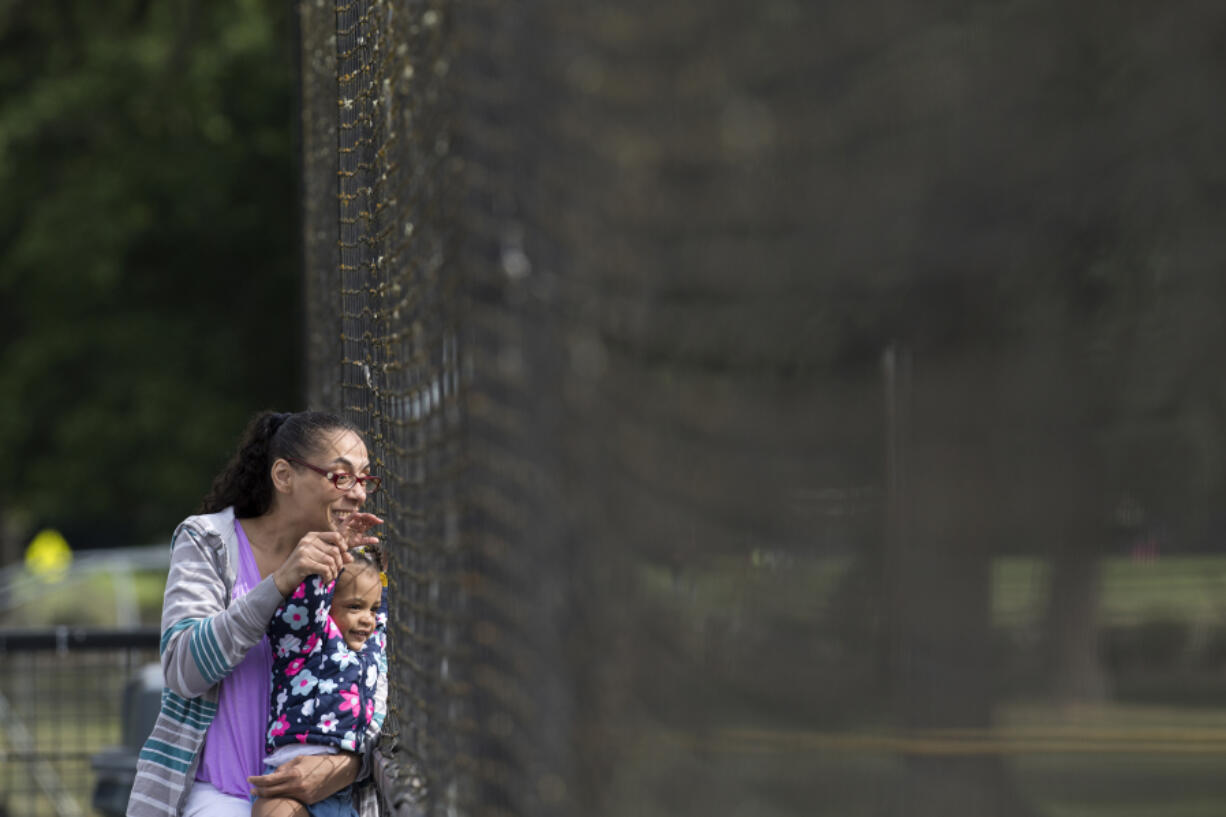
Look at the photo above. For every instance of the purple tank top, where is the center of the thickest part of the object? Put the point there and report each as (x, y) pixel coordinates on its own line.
(234, 744)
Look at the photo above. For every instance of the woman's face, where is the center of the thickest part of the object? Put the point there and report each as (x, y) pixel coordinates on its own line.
(317, 500)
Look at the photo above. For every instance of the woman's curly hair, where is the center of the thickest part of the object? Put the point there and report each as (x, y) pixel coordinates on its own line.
(246, 481)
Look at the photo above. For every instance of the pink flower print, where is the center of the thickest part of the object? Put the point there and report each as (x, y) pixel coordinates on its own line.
(351, 701)
(312, 644)
(292, 668)
(332, 630)
(295, 616)
(279, 727)
(370, 710)
(301, 737)
(300, 593)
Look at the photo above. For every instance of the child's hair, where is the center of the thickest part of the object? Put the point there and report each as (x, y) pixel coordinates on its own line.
(371, 555)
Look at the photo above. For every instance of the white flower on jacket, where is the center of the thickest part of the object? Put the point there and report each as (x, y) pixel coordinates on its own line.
(308, 706)
(327, 722)
(327, 686)
(288, 645)
(343, 656)
(350, 741)
(372, 675)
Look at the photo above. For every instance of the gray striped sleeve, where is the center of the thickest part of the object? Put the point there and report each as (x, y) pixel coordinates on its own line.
(203, 635)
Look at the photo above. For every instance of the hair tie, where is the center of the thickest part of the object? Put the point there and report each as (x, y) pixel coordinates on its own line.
(276, 421)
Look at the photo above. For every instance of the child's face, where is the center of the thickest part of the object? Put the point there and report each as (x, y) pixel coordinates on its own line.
(356, 603)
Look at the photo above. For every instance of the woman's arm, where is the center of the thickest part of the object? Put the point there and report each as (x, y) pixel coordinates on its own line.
(308, 778)
(203, 638)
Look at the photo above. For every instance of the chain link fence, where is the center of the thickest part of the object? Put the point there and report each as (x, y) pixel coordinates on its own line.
(779, 402)
(61, 692)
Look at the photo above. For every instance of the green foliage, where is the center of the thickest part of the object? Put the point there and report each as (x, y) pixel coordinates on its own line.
(148, 270)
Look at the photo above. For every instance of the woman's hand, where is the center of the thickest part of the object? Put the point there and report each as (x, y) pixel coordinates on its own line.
(355, 527)
(308, 778)
(324, 553)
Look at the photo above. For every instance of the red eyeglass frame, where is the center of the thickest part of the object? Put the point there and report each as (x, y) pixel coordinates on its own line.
(333, 476)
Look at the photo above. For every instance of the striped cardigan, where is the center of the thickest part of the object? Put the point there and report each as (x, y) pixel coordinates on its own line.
(204, 636)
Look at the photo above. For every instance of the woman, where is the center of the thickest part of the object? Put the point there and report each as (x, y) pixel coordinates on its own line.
(286, 507)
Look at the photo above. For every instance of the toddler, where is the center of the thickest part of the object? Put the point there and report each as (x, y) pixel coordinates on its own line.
(328, 644)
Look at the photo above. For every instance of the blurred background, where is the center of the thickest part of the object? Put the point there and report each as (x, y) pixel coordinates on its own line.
(149, 264)
(150, 301)
(784, 409)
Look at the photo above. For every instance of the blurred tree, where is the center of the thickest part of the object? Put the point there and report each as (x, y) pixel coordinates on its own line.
(148, 277)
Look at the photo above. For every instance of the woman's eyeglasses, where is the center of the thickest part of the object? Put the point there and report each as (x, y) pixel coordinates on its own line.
(342, 480)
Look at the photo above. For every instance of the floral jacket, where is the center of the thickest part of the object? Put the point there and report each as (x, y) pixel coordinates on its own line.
(322, 691)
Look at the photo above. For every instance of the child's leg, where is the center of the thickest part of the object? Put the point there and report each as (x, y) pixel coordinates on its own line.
(278, 807)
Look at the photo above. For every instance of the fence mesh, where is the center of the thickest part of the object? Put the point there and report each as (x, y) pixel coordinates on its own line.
(60, 700)
(780, 405)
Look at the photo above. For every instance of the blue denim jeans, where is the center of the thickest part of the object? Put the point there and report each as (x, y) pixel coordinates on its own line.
(338, 805)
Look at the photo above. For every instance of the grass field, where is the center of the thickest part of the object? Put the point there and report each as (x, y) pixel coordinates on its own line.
(1156, 747)
(1185, 588)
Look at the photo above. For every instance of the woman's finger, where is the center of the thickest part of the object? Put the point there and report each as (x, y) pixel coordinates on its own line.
(363, 520)
(329, 563)
(329, 537)
(325, 553)
(291, 779)
(322, 559)
(273, 784)
(357, 524)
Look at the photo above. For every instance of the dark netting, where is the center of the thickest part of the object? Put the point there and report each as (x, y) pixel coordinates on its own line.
(788, 408)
